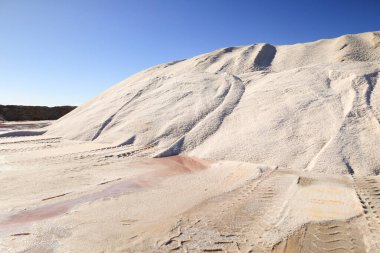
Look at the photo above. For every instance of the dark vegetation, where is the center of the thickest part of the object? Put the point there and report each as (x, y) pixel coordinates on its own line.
(21, 113)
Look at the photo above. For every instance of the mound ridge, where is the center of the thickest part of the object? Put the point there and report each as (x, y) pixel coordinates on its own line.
(312, 106)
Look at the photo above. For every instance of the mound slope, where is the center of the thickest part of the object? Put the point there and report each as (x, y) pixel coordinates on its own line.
(312, 106)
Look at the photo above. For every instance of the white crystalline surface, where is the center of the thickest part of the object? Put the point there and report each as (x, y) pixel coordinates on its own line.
(312, 106)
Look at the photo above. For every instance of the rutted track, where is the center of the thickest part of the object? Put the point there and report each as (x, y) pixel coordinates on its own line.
(368, 190)
(63, 151)
(332, 236)
(237, 221)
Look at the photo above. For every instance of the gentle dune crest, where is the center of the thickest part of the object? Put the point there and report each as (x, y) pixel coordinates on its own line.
(257, 148)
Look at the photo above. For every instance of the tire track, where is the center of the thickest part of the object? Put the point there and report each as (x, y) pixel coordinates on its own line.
(241, 220)
(332, 236)
(84, 159)
(368, 190)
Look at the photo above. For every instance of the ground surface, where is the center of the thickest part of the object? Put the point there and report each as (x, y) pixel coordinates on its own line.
(8, 126)
(71, 196)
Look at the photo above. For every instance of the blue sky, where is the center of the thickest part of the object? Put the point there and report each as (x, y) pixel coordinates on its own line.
(58, 52)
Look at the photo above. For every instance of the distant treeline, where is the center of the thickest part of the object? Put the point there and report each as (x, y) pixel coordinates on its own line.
(20, 112)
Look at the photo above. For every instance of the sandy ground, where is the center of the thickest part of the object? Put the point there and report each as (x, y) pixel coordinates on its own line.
(8, 126)
(73, 196)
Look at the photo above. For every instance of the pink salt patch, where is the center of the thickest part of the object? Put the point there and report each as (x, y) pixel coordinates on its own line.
(167, 167)
(184, 162)
(180, 163)
(59, 208)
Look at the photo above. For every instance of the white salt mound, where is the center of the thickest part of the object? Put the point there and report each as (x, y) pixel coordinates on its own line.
(312, 106)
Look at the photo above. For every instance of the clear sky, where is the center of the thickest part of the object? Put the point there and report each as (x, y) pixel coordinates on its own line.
(58, 52)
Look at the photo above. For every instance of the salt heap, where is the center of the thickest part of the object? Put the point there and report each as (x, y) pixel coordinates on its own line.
(312, 106)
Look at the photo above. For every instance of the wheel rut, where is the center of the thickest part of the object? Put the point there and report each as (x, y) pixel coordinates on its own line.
(331, 236)
(237, 221)
(368, 190)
